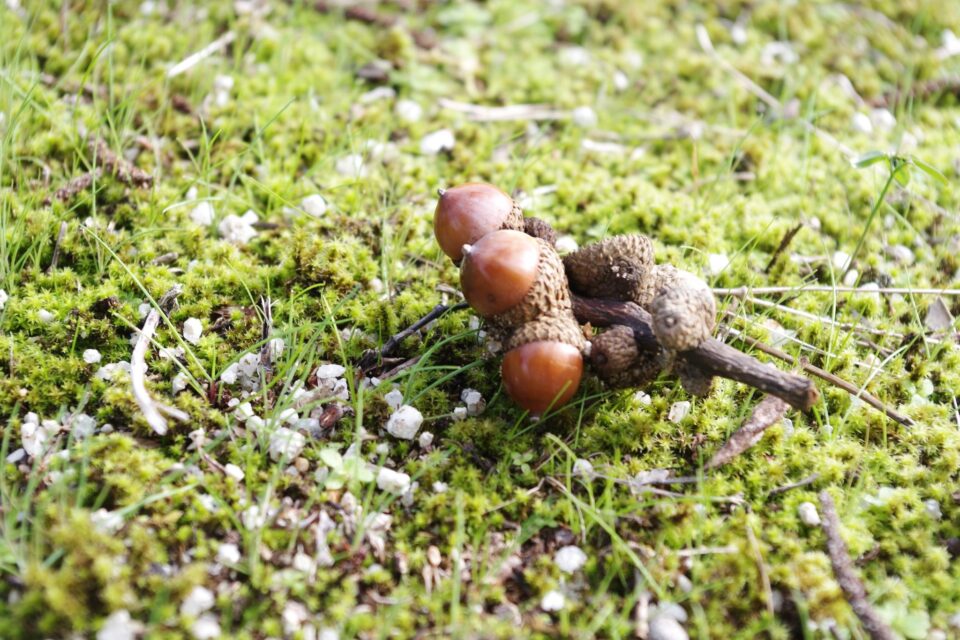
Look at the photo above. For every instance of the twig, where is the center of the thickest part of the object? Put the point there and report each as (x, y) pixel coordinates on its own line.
(784, 243)
(166, 258)
(138, 368)
(851, 585)
(767, 413)
(741, 292)
(846, 326)
(371, 358)
(919, 91)
(713, 357)
(705, 551)
(525, 112)
(836, 381)
(75, 186)
(119, 167)
(266, 351)
(794, 485)
(56, 247)
(195, 58)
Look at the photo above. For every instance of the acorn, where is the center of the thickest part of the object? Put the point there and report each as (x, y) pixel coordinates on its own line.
(470, 211)
(684, 310)
(511, 278)
(541, 375)
(617, 268)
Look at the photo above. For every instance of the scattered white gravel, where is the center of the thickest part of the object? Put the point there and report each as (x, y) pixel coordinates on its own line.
(582, 467)
(395, 482)
(192, 330)
(329, 371)
(860, 122)
(404, 422)
(408, 111)
(120, 626)
(238, 229)
(584, 117)
(437, 142)
(352, 165)
(932, 508)
(3, 298)
(228, 553)
(840, 260)
(233, 471)
(202, 214)
(570, 559)
(678, 411)
(552, 601)
(474, 401)
(314, 205)
(199, 600)
(91, 356)
(394, 398)
(807, 511)
(425, 439)
(45, 316)
(293, 616)
(286, 444)
(716, 264)
(665, 627)
(206, 627)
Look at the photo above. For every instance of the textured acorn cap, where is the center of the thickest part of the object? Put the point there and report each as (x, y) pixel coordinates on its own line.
(617, 268)
(684, 310)
(617, 361)
(468, 212)
(561, 326)
(548, 296)
(693, 380)
(540, 229)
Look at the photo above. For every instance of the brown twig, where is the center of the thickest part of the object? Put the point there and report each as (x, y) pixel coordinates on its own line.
(851, 585)
(56, 247)
(824, 375)
(372, 358)
(794, 485)
(119, 167)
(75, 186)
(784, 243)
(712, 357)
(767, 413)
(919, 91)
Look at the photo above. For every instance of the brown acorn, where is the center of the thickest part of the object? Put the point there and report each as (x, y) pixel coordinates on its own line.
(617, 268)
(470, 211)
(541, 375)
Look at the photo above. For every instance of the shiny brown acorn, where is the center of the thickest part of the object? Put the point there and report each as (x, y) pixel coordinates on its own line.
(470, 211)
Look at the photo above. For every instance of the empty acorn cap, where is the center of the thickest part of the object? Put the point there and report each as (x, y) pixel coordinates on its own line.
(617, 268)
(684, 310)
(617, 361)
(470, 211)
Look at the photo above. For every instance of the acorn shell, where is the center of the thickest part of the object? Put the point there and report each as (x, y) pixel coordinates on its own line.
(684, 310)
(548, 296)
(542, 375)
(466, 213)
(500, 271)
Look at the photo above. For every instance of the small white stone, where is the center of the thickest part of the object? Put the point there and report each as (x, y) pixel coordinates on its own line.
(382, 449)
(351, 165)
(570, 559)
(119, 626)
(34, 438)
(91, 356)
(566, 244)
(678, 411)
(286, 444)
(179, 383)
(228, 553)
(82, 426)
(395, 482)
(459, 413)
(582, 467)
(716, 263)
(45, 316)
(474, 401)
(314, 205)
(378, 94)
(229, 375)
(233, 471)
(872, 289)
(303, 563)
(440, 487)
(143, 309)
(620, 81)
(3, 298)
(108, 522)
(17, 456)
(664, 627)
(202, 214)
(238, 230)
(206, 627)
(328, 634)
(840, 260)
(552, 601)
(437, 142)
(938, 316)
(425, 439)
(293, 616)
(932, 508)
(851, 277)
(394, 398)
(199, 600)
(642, 397)
(192, 329)
(584, 116)
(573, 56)
(778, 53)
(329, 371)
(288, 415)
(861, 123)
(408, 111)
(900, 254)
(807, 511)
(882, 119)
(404, 422)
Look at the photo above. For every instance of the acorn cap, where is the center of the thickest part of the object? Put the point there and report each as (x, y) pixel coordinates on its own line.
(540, 229)
(617, 361)
(693, 380)
(561, 326)
(617, 268)
(468, 212)
(684, 310)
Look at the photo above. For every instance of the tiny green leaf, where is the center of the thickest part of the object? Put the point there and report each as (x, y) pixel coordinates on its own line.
(902, 174)
(929, 169)
(869, 158)
(331, 458)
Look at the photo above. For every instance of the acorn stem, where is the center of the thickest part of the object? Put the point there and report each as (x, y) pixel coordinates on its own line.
(440, 192)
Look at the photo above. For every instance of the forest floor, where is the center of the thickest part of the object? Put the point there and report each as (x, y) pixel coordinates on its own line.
(274, 166)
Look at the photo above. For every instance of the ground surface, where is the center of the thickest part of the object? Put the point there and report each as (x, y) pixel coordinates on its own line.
(109, 526)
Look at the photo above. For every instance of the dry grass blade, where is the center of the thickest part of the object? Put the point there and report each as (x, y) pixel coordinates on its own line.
(853, 589)
(767, 413)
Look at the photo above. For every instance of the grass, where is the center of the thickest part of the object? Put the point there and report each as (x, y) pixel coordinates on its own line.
(126, 520)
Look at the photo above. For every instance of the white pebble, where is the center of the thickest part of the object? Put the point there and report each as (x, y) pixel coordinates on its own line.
(202, 214)
(233, 471)
(408, 111)
(206, 627)
(314, 205)
(778, 53)
(378, 94)
(437, 142)
(716, 263)
(584, 116)
(840, 260)
(582, 467)
(678, 411)
(459, 413)
(229, 375)
(82, 426)
(620, 81)
(474, 401)
(45, 316)
(286, 444)
(199, 599)
(91, 356)
(425, 439)
(404, 422)
(552, 601)
(192, 329)
(3, 298)
(932, 507)
(807, 511)
(642, 397)
(570, 559)
(440, 487)
(566, 244)
(351, 165)
(395, 482)
(664, 627)
(861, 123)
(329, 371)
(574, 56)
(900, 253)
(882, 119)
(293, 616)
(851, 277)
(228, 553)
(119, 626)
(238, 230)
(394, 398)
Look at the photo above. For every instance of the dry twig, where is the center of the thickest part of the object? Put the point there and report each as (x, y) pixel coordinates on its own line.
(847, 578)
(195, 58)
(56, 247)
(524, 112)
(152, 410)
(372, 358)
(119, 167)
(767, 413)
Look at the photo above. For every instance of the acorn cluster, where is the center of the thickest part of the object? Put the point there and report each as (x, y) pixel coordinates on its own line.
(513, 277)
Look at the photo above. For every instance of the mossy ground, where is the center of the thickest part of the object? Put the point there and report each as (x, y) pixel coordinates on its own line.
(702, 165)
